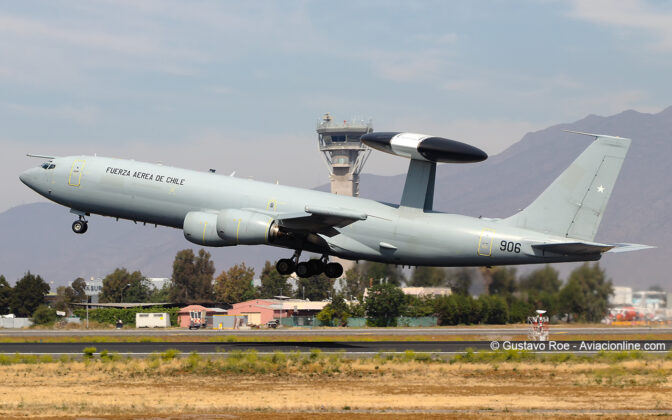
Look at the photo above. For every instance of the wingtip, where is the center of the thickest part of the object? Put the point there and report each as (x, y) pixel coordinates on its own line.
(594, 135)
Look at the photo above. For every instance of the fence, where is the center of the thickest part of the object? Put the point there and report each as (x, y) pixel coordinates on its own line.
(15, 322)
(420, 321)
(357, 322)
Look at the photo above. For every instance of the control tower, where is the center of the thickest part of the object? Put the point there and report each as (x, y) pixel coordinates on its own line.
(344, 152)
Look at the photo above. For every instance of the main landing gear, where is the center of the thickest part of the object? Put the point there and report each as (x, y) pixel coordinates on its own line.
(80, 226)
(309, 268)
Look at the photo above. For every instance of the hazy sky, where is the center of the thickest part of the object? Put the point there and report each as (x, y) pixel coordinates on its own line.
(240, 85)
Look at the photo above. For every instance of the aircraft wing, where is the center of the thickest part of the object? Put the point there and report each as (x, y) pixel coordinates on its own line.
(317, 219)
(587, 248)
(320, 220)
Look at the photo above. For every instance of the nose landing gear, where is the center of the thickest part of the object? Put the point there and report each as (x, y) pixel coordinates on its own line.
(80, 226)
(309, 268)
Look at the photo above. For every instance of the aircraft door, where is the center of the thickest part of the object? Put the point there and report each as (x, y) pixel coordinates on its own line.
(485, 242)
(75, 177)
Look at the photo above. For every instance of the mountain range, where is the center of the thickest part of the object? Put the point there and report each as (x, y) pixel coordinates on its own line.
(37, 237)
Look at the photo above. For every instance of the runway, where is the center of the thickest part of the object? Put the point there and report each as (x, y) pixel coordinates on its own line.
(489, 332)
(354, 348)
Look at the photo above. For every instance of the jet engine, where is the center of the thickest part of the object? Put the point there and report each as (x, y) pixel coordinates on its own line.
(229, 227)
(242, 227)
(201, 228)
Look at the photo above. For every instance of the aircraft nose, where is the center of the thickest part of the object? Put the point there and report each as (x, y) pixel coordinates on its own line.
(27, 177)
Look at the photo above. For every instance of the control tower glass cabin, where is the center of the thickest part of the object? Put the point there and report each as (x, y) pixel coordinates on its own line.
(344, 152)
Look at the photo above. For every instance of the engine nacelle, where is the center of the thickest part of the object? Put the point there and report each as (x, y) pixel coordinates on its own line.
(201, 228)
(242, 227)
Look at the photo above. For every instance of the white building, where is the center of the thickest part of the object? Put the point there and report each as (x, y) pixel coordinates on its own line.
(622, 296)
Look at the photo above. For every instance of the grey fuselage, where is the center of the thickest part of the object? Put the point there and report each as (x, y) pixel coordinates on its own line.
(163, 195)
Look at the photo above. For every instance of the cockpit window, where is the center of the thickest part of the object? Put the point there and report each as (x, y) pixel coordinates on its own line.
(45, 165)
(51, 166)
(48, 165)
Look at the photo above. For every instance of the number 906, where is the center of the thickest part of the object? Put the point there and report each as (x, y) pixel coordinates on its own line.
(509, 246)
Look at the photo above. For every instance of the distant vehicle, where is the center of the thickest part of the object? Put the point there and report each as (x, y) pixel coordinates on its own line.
(214, 210)
(195, 324)
(273, 323)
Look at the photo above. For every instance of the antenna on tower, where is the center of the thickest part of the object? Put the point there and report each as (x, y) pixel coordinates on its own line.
(344, 152)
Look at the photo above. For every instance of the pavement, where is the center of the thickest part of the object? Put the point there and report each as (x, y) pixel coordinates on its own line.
(348, 347)
(490, 332)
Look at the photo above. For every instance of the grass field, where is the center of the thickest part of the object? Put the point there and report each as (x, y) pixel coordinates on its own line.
(314, 385)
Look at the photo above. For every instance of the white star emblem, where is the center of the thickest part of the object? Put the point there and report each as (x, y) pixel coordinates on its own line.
(600, 189)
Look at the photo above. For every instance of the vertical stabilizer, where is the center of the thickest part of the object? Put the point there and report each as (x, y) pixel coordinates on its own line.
(573, 205)
(419, 188)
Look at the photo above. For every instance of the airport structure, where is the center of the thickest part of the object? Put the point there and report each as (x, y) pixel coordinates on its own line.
(344, 152)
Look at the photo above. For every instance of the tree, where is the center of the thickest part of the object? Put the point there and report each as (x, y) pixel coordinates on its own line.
(460, 280)
(415, 306)
(44, 315)
(503, 281)
(383, 304)
(494, 309)
(235, 285)
(353, 284)
(28, 294)
(336, 312)
(545, 279)
(5, 295)
(161, 295)
(67, 295)
(586, 294)
(428, 277)
(376, 273)
(78, 287)
(192, 277)
(273, 283)
(316, 288)
(122, 286)
(61, 303)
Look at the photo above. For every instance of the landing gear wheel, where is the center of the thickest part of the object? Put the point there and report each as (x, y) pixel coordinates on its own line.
(79, 226)
(333, 270)
(303, 270)
(285, 266)
(316, 266)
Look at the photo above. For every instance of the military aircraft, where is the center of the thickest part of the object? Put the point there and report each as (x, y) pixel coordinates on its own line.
(216, 210)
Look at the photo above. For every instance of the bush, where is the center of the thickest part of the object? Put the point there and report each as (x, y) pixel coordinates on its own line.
(519, 311)
(89, 351)
(495, 310)
(44, 315)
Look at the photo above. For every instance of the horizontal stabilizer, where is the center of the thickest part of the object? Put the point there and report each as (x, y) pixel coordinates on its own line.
(40, 156)
(588, 248)
(574, 248)
(629, 247)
